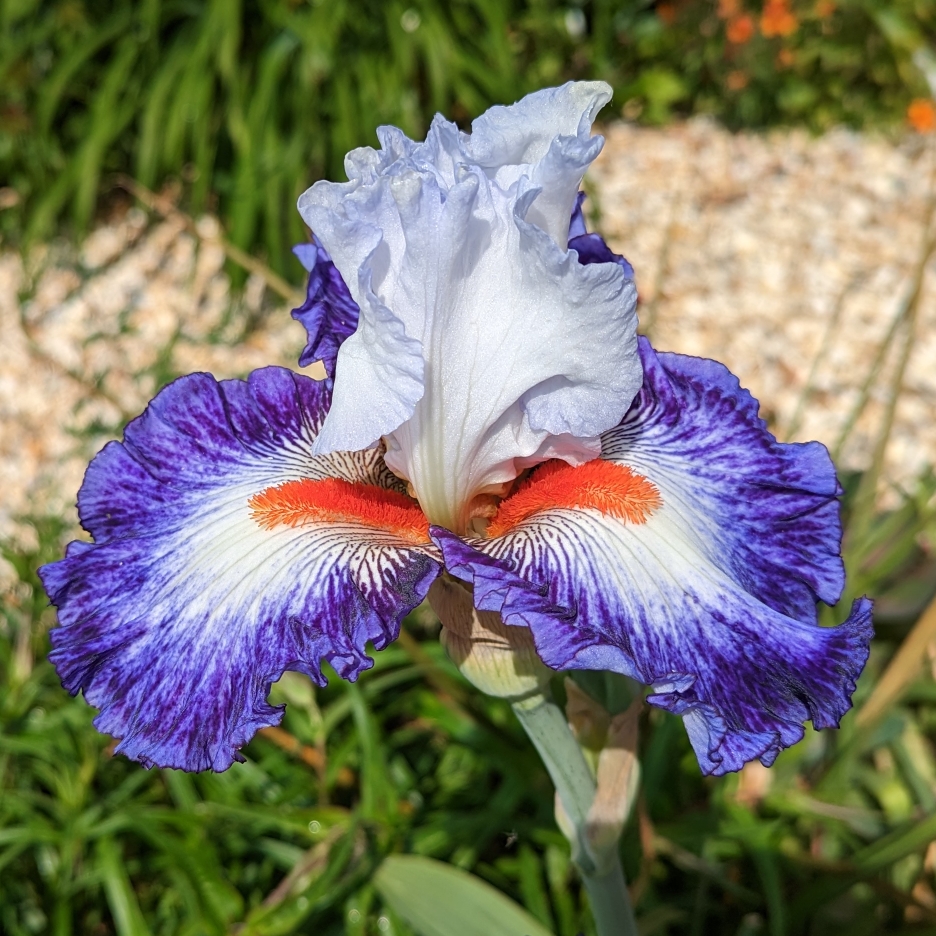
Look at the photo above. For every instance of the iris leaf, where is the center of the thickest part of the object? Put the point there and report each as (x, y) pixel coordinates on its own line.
(439, 900)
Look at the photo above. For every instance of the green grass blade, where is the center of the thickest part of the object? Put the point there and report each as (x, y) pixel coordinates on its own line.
(901, 671)
(66, 73)
(121, 898)
(436, 899)
(915, 837)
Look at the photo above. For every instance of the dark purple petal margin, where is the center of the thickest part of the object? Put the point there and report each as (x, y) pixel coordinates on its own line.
(767, 513)
(183, 612)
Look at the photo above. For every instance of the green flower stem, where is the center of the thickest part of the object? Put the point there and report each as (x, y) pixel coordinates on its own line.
(602, 874)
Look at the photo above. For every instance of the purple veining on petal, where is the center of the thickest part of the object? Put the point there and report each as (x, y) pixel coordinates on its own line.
(520, 602)
(591, 248)
(329, 314)
(768, 512)
(180, 615)
(743, 677)
(711, 601)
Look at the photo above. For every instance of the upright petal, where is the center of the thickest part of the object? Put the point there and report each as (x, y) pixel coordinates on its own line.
(224, 554)
(484, 345)
(689, 556)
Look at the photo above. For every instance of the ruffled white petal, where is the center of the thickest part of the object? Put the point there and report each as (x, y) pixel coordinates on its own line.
(483, 345)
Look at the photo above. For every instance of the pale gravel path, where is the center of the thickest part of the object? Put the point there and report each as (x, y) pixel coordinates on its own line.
(763, 236)
(86, 334)
(745, 247)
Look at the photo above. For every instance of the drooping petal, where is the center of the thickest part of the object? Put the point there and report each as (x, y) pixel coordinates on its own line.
(224, 554)
(690, 556)
(766, 512)
(329, 314)
(484, 345)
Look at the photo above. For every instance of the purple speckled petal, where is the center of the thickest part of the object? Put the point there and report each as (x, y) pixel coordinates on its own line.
(329, 314)
(710, 600)
(591, 248)
(766, 513)
(184, 610)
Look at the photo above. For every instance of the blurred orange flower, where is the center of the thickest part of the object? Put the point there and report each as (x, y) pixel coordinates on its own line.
(737, 80)
(921, 115)
(728, 8)
(777, 19)
(666, 12)
(740, 29)
(785, 58)
(824, 8)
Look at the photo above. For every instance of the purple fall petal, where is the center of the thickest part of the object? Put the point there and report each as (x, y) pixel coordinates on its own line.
(711, 600)
(185, 609)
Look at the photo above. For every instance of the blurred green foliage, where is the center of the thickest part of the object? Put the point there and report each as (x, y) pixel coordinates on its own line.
(246, 102)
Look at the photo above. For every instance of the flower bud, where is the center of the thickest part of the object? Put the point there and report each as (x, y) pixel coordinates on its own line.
(499, 660)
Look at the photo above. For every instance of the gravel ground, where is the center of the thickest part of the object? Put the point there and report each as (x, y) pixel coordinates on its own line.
(789, 258)
(783, 256)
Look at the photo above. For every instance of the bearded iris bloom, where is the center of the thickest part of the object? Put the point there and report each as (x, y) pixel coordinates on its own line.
(489, 414)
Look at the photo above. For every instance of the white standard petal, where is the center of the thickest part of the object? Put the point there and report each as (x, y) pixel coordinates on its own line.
(484, 346)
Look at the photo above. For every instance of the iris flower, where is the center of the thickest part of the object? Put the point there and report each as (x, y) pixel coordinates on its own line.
(490, 414)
